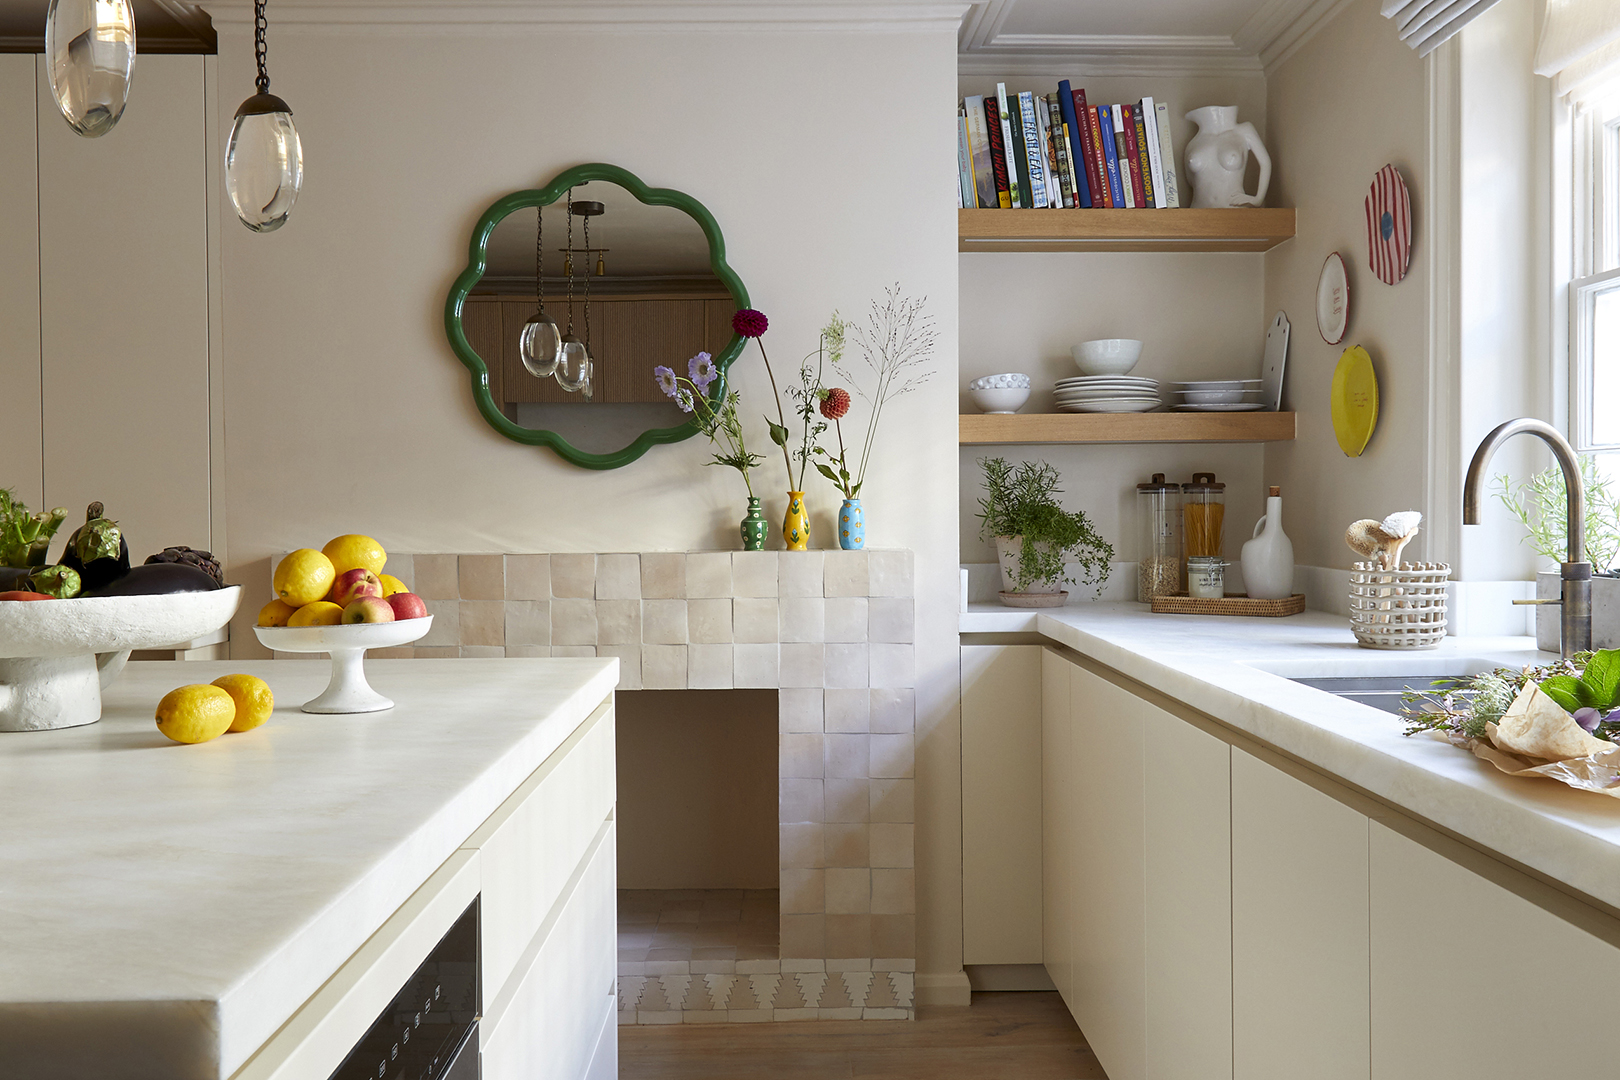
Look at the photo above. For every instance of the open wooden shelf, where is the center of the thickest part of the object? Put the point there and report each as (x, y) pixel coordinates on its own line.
(1154, 427)
(1184, 229)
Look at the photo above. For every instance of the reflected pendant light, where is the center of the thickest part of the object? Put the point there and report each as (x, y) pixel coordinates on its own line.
(264, 163)
(574, 356)
(90, 55)
(540, 343)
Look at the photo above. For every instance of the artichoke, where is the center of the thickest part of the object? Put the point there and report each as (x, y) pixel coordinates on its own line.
(202, 560)
(97, 550)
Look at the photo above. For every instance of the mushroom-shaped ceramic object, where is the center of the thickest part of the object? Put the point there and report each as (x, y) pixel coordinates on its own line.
(56, 655)
(1399, 529)
(1365, 538)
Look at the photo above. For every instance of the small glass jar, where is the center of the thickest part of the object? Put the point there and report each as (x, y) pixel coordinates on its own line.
(1158, 570)
(1206, 578)
(1203, 512)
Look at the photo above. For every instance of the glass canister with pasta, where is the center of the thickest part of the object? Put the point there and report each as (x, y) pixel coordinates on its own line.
(1203, 511)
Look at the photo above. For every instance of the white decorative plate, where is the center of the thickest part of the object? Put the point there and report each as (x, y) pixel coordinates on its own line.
(1238, 406)
(1333, 300)
(1118, 405)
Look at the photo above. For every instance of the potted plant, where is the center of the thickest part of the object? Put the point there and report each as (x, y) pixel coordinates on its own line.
(1538, 503)
(717, 418)
(1037, 541)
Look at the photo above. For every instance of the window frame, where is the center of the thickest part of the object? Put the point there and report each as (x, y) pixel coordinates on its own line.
(1596, 251)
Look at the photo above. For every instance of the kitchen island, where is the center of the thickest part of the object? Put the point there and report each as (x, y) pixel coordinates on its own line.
(248, 906)
(1228, 873)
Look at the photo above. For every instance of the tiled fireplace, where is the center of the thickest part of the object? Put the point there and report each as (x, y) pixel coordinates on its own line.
(832, 632)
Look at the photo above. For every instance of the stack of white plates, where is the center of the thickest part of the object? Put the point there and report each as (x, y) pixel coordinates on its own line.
(1107, 394)
(1217, 395)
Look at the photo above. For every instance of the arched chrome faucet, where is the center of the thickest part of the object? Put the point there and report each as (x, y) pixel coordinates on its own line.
(1575, 600)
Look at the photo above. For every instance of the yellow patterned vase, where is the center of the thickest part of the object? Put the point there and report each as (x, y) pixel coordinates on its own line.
(796, 526)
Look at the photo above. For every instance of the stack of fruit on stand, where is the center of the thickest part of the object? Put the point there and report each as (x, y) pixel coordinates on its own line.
(341, 583)
(204, 711)
(95, 561)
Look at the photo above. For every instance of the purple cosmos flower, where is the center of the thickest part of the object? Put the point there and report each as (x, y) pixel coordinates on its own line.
(666, 380)
(683, 398)
(750, 323)
(702, 370)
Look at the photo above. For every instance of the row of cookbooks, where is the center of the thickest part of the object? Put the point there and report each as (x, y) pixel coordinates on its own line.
(1029, 151)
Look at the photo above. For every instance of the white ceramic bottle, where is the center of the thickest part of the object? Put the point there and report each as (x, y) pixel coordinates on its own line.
(1268, 558)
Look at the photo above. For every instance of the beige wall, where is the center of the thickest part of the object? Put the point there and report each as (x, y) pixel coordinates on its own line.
(346, 410)
(1352, 99)
(21, 450)
(1199, 316)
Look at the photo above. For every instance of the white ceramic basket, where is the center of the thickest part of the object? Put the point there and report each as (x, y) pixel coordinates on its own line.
(1399, 609)
(348, 692)
(57, 655)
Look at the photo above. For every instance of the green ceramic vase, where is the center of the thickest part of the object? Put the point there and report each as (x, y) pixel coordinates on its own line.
(754, 527)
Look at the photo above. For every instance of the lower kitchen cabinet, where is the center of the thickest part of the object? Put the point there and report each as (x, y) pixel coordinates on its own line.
(1057, 825)
(1299, 929)
(1187, 984)
(1471, 980)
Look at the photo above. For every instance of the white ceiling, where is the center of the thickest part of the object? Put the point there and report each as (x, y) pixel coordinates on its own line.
(1135, 36)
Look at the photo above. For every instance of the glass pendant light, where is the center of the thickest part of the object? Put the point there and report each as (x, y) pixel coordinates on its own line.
(264, 162)
(90, 55)
(573, 355)
(540, 343)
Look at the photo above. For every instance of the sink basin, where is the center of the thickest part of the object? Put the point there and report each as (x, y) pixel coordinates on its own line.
(1378, 682)
(1382, 692)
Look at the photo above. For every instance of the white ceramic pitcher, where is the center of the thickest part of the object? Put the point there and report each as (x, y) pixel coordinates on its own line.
(1268, 558)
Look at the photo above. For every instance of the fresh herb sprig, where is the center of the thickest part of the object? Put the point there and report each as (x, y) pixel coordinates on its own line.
(1021, 500)
(1462, 707)
(25, 538)
(1539, 505)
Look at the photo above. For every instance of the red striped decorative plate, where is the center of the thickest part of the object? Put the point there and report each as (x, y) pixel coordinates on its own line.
(1389, 226)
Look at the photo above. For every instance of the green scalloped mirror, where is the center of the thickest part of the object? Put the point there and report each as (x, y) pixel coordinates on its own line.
(637, 274)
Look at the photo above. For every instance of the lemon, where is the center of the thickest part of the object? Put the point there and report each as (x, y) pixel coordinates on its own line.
(253, 699)
(196, 713)
(303, 577)
(276, 613)
(320, 613)
(352, 551)
(392, 585)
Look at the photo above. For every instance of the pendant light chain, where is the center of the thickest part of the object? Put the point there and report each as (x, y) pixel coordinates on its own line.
(260, 25)
(539, 259)
(569, 262)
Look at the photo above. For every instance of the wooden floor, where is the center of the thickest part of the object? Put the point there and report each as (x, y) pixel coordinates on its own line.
(1003, 1036)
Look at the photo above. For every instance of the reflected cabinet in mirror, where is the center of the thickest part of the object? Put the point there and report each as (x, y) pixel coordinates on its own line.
(573, 293)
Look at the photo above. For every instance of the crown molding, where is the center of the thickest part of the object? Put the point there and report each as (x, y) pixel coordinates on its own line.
(691, 16)
(1279, 27)
(1109, 54)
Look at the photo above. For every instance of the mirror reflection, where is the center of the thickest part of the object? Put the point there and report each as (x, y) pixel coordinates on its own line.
(621, 288)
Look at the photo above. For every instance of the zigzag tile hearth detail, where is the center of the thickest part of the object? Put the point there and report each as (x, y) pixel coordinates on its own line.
(757, 990)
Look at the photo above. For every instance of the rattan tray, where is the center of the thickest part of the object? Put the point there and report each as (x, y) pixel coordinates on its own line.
(1230, 604)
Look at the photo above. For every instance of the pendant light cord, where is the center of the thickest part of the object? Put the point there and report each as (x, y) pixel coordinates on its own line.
(259, 27)
(587, 285)
(569, 262)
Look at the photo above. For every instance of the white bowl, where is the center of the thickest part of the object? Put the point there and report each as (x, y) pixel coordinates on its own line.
(57, 655)
(348, 691)
(1010, 380)
(1214, 397)
(1008, 400)
(1107, 356)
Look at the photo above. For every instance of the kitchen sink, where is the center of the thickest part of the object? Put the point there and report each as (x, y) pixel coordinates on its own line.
(1378, 682)
(1382, 692)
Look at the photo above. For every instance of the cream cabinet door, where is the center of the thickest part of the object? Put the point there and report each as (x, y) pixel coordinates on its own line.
(1188, 934)
(1001, 804)
(1057, 825)
(124, 303)
(1472, 981)
(1109, 844)
(1299, 929)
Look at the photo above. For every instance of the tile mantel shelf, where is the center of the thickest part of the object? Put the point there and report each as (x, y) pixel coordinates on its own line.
(833, 633)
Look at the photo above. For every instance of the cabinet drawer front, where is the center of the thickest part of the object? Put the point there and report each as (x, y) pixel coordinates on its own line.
(533, 844)
(545, 1025)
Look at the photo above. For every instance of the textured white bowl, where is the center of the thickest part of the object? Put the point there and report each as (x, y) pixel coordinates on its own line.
(1107, 356)
(1008, 400)
(56, 655)
(348, 691)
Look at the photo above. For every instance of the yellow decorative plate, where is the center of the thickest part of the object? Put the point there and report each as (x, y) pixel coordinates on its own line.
(1354, 401)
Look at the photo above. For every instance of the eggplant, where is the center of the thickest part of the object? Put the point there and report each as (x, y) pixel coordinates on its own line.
(59, 582)
(97, 550)
(155, 579)
(12, 578)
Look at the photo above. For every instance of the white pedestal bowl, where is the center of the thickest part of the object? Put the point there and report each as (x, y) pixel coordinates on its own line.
(56, 655)
(348, 692)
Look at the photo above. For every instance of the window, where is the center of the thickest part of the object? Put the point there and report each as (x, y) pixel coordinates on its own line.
(1594, 338)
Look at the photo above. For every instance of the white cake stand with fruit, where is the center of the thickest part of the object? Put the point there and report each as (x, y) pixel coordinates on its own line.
(348, 692)
(56, 655)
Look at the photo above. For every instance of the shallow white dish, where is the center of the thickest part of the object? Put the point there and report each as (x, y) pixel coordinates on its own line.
(1107, 356)
(56, 655)
(348, 692)
(1215, 397)
(1240, 406)
(1219, 384)
(1333, 300)
(1085, 395)
(1117, 405)
(1095, 380)
(999, 400)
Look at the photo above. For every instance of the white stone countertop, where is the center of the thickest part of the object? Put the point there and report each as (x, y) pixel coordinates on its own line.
(165, 908)
(1233, 669)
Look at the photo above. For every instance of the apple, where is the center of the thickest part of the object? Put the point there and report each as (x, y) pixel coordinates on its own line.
(407, 605)
(356, 584)
(24, 595)
(368, 609)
